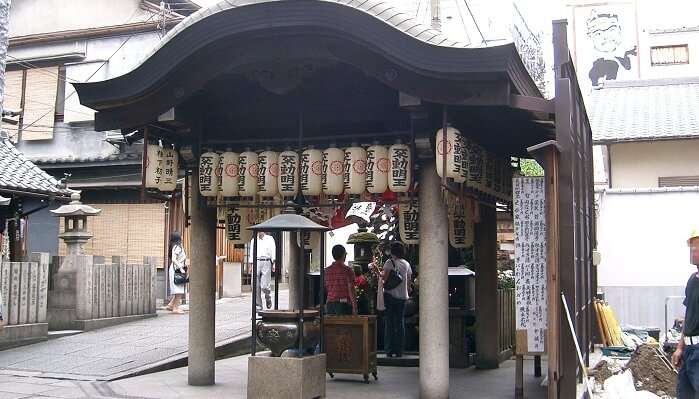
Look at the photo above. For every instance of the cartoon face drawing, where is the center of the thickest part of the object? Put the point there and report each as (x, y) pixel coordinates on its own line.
(605, 31)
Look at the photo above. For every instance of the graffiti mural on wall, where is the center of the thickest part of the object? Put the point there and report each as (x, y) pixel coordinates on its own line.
(606, 45)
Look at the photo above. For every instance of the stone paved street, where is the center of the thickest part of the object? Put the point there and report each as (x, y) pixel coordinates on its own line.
(231, 383)
(122, 350)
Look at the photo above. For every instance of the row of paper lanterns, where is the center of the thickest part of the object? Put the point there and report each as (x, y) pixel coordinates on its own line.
(469, 163)
(332, 171)
(162, 166)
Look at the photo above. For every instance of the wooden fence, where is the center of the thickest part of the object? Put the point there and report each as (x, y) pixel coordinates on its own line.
(506, 321)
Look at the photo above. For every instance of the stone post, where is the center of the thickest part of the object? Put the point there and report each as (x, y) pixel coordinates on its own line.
(434, 284)
(486, 247)
(291, 260)
(202, 288)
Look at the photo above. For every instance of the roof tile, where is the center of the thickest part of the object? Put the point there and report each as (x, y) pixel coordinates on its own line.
(17, 173)
(645, 110)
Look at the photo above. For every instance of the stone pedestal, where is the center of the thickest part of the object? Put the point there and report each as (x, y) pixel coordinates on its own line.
(232, 282)
(286, 377)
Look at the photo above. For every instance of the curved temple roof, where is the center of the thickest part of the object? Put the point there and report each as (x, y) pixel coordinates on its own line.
(203, 46)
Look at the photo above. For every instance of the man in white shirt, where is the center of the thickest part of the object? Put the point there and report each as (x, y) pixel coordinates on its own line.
(266, 257)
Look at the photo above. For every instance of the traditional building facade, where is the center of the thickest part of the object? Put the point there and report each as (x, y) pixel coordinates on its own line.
(54, 44)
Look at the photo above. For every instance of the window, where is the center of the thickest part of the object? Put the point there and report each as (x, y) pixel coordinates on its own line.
(678, 181)
(35, 92)
(669, 55)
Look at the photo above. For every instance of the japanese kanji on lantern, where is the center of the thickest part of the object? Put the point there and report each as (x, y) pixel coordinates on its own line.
(267, 173)
(399, 177)
(333, 167)
(311, 172)
(355, 170)
(409, 222)
(208, 182)
(457, 221)
(237, 223)
(154, 166)
(247, 174)
(377, 167)
(229, 177)
(450, 146)
(288, 181)
(170, 169)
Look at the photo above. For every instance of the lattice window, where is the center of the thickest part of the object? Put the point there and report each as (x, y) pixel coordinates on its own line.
(669, 55)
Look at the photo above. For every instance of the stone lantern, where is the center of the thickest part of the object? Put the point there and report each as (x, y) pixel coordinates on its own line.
(364, 243)
(75, 215)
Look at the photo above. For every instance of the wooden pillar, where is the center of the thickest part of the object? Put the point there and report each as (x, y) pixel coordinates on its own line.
(202, 288)
(434, 284)
(486, 246)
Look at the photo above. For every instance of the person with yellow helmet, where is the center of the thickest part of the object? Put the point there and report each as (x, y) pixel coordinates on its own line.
(686, 356)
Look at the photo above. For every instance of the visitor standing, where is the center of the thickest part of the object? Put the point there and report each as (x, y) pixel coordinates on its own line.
(339, 285)
(266, 258)
(178, 265)
(395, 299)
(687, 354)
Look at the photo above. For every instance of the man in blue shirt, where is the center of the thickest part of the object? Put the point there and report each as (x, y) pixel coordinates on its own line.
(687, 354)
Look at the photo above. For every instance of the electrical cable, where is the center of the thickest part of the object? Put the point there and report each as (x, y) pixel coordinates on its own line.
(463, 23)
(476, 23)
(89, 77)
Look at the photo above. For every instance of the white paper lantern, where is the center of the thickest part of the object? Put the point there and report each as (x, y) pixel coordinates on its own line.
(267, 173)
(399, 178)
(237, 222)
(377, 167)
(409, 223)
(333, 167)
(465, 156)
(208, 182)
(311, 172)
(288, 181)
(247, 174)
(230, 175)
(170, 170)
(354, 175)
(154, 166)
(451, 148)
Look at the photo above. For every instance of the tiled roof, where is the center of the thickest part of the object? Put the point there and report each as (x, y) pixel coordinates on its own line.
(51, 159)
(19, 175)
(382, 10)
(643, 110)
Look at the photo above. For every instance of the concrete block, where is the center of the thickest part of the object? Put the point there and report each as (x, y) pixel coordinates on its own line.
(293, 378)
(108, 290)
(13, 304)
(103, 290)
(23, 333)
(84, 284)
(122, 289)
(33, 292)
(44, 260)
(95, 292)
(115, 289)
(95, 324)
(24, 292)
(5, 278)
(232, 282)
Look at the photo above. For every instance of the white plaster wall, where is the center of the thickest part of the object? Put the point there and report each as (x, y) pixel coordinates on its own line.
(670, 71)
(28, 17)
(643, 238)
(97, 51)
(638, 165)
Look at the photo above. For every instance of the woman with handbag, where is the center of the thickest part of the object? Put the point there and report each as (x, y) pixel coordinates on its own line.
(177, 273)
(396, 283)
